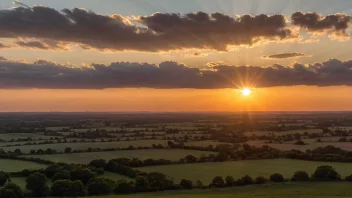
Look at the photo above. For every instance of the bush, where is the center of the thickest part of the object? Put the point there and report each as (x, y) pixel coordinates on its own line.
(199, 184)
(325, 173)
(124, 187)
(142, 184)
(60, 188)
(245, 180)
(76, 189)
(100, 186)
(349, 178)
(11, 190)
(4, 177)
(187, 184)
(260, 180)
(218, 182)
(276, 177)
(300, 176)
(36, 183)
(62, 175)
(230, 181)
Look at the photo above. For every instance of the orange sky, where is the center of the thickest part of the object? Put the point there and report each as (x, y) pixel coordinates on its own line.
(300, 98)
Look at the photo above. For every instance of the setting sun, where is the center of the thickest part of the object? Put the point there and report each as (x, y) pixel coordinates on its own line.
(246, 91)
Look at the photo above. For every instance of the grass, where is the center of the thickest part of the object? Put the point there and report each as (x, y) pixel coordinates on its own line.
(9, 136)
(83, 146)
(289, 190)
(301, 131)
(8, 165)
(310, 145)
(85, 158)
(207, 171)
(115, 176)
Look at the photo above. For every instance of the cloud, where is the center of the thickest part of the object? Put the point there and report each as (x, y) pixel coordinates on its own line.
(196, 54)
(3, 46)
(157, 32)
(44, 45)
(284, 55)
(316, 23)
(169, 75)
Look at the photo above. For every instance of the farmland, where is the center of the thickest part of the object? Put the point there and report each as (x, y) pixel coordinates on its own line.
(207, 171)
(176, 147)
(85, 158)
(292, 190)
(8, 165)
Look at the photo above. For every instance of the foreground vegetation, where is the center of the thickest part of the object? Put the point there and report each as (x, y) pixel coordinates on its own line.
(289, 190)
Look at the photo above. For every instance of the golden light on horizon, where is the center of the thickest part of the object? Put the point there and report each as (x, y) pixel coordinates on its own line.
(246, 91)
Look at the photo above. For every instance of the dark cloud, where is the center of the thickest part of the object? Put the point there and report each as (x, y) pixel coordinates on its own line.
(313, 22)
(158, 32)
(285, 55)
(45, 45)
(45, 74)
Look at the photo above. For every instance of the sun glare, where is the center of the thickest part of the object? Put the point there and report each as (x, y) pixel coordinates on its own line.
(246, 92)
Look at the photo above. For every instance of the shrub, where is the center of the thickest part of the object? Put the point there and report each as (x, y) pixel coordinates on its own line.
(349, 178)
(276, 177)
(4, 177)
(36, 183)
(124, 187)
(300, 176)
(62, 175)
(230, 181)
(60, 187)
(76, 189)
(260, 180)
(325, 173)
(218, 182)
(11, 190)
(245, 180)
(142, 183)
(187, 184)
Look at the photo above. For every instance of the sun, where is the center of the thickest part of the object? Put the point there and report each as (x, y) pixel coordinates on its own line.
(246, 91)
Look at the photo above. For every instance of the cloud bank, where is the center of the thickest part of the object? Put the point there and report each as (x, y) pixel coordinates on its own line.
(160, 31)
(168, 75)
(285, 55)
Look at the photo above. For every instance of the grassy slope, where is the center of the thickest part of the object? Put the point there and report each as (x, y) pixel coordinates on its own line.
(207, 171)
(286, 190)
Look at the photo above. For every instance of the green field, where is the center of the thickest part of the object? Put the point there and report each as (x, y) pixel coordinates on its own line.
(83, 146)
(207, 171)
(283, 132)
(287, 190)
(310, 145)
(35, 136)
(85, 158)
(8, 165)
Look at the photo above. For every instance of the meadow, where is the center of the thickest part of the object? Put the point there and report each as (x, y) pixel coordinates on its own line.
(85, 158)
(8, 165)
(207, 171)
(86, 145)
(289, 190)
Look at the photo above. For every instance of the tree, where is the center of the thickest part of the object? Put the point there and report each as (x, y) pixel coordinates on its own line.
(100, 186)
(4, 177)
(245, 180)
(36, 183)
(68, 150)
(159, 181)
(218, 182)
(260, 180)
(142, 184)
(186, 184)
(61, 175)
(191, 159)
(84, 175)
(199, 184)
(52, 169)
(276, 177)
(76, 189)
(230, 181)
(99, 163)
(11, 190)
(124, 187)
(300, 176)
(325, 173)
(60, 188)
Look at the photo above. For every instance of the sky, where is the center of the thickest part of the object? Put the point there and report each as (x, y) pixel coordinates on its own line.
(185, 55)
